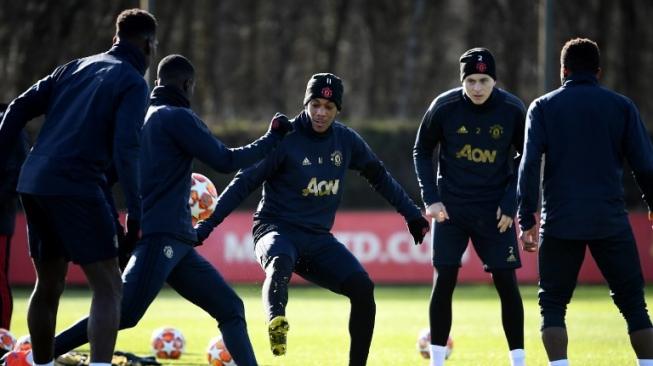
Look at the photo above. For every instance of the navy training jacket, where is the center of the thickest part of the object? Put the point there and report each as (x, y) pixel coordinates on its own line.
(585, 131)
(94, 109)
(172, 136)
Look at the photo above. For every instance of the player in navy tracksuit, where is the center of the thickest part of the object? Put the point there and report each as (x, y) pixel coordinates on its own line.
(477, 127)
(172, 136)
(94, 109)
(584, 132)
(303, 181)
(8, 206)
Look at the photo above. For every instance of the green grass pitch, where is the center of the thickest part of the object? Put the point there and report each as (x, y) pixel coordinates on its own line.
(318, 326)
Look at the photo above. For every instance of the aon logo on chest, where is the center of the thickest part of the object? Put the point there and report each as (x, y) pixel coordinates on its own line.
(321, 188)
(477, 155)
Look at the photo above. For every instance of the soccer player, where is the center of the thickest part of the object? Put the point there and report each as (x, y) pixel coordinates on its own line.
(479, 130)
(172, 137)
(302, 188)
(584, 131)
(8, 206)
(94, 109)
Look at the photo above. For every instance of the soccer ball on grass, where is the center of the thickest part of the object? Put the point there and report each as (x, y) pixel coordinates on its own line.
(424, 343)
(168, 343)
(217, 353)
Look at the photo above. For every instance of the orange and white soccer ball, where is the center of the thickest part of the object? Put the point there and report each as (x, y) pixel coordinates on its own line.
(168, 343)
(424, 343)
(217, 353)
(203, 197)
(23, 343)
(7, 340)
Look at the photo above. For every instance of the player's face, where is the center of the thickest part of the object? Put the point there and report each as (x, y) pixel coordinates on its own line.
(322, 112)
(478, 87)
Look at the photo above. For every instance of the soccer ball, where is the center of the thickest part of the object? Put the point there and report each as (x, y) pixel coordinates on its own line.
(203, 197)
(168, 343)
(19, 358)
(424, 343)
(23, 343)
(217, 353)
(7, 340)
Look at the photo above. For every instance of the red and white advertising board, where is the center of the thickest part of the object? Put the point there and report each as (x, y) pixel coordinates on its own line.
(379, 239)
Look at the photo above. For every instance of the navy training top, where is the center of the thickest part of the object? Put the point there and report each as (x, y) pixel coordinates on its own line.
(478, 146)
(172, 136)
(303, 179)
(585, 131)
(94, 109)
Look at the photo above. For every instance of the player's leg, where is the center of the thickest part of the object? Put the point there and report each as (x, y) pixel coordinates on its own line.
(199, 282)
(618, 260)
(152, 261)
(277, 255)
(50, 262)
(329, 264)
(559, 262)
(6, 299)
(449, 241)
(500, 256)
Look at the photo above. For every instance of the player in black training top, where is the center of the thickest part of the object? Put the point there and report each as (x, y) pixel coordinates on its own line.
(479, 130)
(303, 181)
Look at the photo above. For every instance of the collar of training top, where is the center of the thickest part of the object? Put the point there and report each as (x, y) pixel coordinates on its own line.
(582, 77)
(130, 54)
(169, 95)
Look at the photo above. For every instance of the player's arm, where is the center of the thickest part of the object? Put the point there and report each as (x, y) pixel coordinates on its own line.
(126, 146)
(32, 103)
(372, 169)
(528, 183)
(240, 187)
(639, 152)
(507, 206)
(428, 138)
(200, 143)
(9, 177)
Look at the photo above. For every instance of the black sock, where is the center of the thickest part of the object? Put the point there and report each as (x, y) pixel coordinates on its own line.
(275, 287)
(512, 308)
(440, 305)
(360, 291)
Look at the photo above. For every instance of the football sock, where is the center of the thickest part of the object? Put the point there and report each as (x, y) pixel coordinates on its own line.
(51, 363)
(438, 354)
(512, 309)
(559, 363)
(440, 304)
(360, 290)
(517, 357)
(648, 362)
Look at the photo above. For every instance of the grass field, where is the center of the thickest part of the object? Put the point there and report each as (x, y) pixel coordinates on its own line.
(318, 320)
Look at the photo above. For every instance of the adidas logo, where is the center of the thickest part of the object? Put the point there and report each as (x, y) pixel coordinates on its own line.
(462, 130)
(306, 162)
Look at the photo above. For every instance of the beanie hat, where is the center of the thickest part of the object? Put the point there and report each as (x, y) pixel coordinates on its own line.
(477, 61)
(324, 85)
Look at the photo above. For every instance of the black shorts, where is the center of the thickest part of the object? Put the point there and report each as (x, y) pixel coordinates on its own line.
(79, 229)
(478, 222)
(560, 260)
(318, 257)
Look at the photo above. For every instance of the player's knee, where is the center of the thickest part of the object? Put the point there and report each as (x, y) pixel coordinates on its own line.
(279, 269)
(553, 309)
(505, 282)
(632, 305)
(359, 287)
(128, 320)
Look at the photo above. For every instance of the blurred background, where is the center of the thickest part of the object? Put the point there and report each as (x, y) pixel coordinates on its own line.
(253, 58)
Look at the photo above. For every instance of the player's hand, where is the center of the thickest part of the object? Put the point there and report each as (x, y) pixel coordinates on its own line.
(203, 230)
(505, 222)
(437, 211)
(530, 239)
(280, 124)
(418, 228)
(131, 237)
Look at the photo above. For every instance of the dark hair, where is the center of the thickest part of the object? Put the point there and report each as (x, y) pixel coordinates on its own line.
(135, 23)
(175, 69)
(580, 54)
(3, 107)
